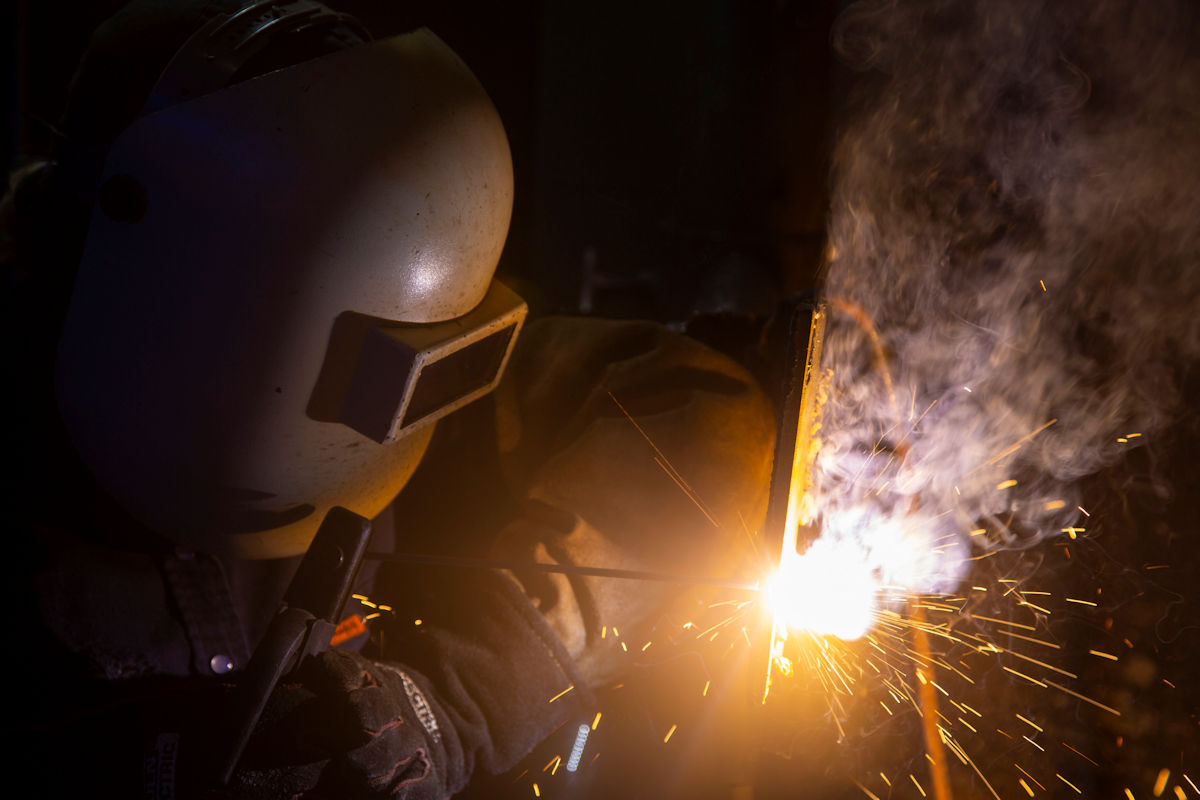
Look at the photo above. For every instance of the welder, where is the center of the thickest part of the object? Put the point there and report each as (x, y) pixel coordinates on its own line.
(254, 288)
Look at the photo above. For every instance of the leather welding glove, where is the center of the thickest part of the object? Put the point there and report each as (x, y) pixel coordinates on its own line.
(631, 447)
(473, 692)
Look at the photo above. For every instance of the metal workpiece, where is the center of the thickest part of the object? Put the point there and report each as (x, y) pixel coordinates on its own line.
(803, 317)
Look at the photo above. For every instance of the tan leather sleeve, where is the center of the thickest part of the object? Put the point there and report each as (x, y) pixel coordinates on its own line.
(635, 448)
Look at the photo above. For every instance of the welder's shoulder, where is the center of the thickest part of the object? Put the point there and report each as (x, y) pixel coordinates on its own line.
(564, 360)
(105, 609)
(569, 376)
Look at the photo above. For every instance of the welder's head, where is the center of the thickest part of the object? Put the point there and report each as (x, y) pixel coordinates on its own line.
(287, 278)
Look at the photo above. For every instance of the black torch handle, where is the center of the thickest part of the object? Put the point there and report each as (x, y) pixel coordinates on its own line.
(303, 626)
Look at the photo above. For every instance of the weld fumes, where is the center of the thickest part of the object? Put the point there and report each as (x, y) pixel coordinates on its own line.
(1014, 211)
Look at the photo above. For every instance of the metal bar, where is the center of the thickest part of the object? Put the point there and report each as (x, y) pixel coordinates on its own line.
(803, 321)
(786, 514)
(798, 531)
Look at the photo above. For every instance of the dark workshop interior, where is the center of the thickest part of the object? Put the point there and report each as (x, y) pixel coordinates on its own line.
(672, 163)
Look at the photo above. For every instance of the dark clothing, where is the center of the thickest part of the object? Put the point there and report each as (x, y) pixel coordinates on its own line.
(131, 652)
(128, 685)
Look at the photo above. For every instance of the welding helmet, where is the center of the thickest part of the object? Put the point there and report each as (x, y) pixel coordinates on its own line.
(286, 281)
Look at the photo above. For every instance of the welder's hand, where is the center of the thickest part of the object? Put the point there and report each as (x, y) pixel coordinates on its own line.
(473, 692)
(372, 726)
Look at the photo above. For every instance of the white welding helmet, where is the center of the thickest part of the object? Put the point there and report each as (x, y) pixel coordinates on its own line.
(285, 283)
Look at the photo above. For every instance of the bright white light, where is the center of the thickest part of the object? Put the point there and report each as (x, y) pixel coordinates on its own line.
(829, 590)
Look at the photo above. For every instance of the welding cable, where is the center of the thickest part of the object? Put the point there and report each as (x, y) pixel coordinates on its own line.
(566, 569)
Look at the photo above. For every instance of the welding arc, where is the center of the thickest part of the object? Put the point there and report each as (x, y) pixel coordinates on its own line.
(565, 569)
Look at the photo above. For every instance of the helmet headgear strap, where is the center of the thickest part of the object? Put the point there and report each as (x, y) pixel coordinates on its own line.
(211, 58)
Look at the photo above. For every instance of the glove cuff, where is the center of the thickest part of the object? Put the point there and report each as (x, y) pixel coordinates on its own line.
(499, 675)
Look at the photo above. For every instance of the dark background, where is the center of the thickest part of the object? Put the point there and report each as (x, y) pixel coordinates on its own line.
(671, 159)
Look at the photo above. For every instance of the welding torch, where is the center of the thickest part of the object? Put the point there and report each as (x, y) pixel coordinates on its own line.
(303, 626)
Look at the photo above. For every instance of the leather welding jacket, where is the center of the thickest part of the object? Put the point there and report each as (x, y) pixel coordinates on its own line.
(617, 444)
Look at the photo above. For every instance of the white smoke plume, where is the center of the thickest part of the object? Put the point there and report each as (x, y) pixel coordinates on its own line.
(1014, 240)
